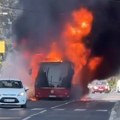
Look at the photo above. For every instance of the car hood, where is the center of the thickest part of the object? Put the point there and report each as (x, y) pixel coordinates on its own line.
(10, 91)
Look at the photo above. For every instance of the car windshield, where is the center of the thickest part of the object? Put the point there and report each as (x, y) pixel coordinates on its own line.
(10, 84)
(101, 83)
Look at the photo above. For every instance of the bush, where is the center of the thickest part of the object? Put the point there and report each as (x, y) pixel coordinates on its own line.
(112, 83)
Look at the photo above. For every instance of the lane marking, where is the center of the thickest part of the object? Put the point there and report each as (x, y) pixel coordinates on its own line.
(17, 109)
(62, 104)
(43, 111)
(100, 110)
(37, 109)
(59, 109)
(80, 109)
(9, 118)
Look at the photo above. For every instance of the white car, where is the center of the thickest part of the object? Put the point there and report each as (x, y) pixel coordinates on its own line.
(12, 92)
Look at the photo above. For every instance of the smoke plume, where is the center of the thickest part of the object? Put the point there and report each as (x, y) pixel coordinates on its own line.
(15, 69)
(42, 22)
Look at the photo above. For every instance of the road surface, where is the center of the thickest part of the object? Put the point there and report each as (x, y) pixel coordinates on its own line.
(59, 110)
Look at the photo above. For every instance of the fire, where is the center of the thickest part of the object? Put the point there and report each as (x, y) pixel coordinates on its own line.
(55, 55)
(72, 39)
(83, 21)
(73, 36)
(94, 63)
(35, 64)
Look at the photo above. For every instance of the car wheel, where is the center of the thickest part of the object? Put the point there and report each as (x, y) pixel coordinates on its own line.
(107, 91)
(24, 106)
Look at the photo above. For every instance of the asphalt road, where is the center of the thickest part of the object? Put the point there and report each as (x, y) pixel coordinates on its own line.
(59, 110)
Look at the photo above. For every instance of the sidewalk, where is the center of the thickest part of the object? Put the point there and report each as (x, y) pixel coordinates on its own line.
(105, 96)
(115, 114)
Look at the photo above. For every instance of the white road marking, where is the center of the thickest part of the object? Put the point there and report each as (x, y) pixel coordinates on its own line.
(100, 110)
(37, 109)
(62, 104)
(59, 109)
(80, 109)
(34, 115)
(43, 111)
(9, 118)
(46, 110)
(17, 109)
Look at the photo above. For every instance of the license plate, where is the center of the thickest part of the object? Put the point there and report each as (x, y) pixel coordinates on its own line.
(52, 96)
(9, 100)
(101, 89)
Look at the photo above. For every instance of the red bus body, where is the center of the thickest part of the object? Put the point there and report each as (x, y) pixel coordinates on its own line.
(54, 80)
(52, 93)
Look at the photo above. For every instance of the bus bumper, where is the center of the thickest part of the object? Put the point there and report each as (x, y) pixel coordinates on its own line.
(52, 93)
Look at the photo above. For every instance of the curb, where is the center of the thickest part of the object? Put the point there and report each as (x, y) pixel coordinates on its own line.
(115, 112)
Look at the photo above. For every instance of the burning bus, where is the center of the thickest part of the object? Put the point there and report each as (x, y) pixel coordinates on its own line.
(54, 80)
(43, 54)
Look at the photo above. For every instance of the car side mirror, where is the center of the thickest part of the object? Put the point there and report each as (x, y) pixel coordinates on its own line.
(26, 89)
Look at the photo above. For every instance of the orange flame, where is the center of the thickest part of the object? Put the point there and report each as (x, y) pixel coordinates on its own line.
(35, 64)
(94, 63)
(73, 36)
(55, 55)
(75, 50)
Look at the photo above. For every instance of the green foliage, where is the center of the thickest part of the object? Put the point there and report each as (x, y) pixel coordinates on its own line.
(8, 13)
(112, 82)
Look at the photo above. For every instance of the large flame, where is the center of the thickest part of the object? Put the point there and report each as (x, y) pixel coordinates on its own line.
(75, 31)
(73, 47)
(55, 55)
(35, 64)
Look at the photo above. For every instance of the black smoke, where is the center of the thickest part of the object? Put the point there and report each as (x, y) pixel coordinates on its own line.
(106, 39)
(42, 21)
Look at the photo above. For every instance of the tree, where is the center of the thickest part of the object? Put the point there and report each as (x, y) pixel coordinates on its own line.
(9, 10)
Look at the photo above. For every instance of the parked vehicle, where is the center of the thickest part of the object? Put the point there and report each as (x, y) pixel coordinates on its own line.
(12, 92)
(100, 86)
(54, 80)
